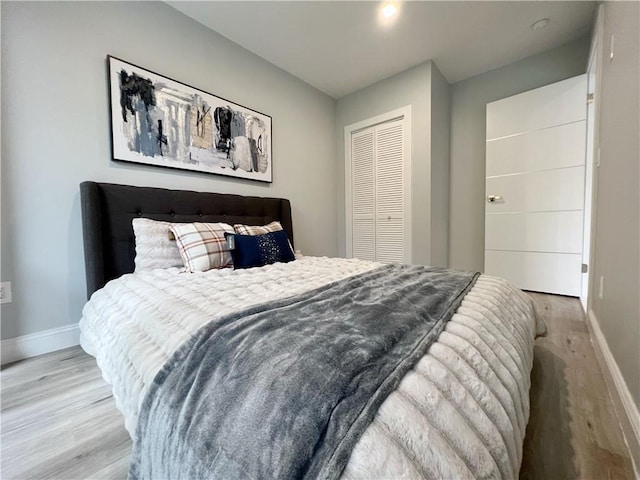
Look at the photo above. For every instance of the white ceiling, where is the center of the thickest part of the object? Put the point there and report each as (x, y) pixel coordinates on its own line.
(340, 47)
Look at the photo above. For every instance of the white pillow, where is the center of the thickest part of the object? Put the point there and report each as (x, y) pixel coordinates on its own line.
(203, 246)
(154, 248)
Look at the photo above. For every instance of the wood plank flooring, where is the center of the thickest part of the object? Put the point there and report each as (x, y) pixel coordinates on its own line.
(59, 419)
(573, 431)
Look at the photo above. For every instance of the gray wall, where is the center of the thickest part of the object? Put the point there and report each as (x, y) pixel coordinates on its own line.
(411, 87)
(468, 124)
(440, 132)
(616, 247)
(56, 134)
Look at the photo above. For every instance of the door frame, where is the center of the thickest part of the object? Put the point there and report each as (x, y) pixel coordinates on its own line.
(404, 114)
(593, 156)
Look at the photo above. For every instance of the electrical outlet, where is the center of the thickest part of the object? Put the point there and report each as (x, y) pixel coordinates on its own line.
(5, 292)
(601, 291)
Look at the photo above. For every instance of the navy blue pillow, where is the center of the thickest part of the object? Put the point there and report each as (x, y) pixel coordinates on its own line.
(258, 250)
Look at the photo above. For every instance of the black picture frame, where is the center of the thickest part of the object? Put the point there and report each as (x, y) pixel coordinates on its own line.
(158, 121)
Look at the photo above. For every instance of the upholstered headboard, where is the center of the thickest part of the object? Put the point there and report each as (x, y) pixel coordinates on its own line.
(108, 209)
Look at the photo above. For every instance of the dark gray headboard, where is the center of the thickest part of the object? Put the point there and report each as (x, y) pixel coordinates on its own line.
(108, 209)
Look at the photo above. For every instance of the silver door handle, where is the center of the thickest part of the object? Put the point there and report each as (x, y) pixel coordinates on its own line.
(493, 198)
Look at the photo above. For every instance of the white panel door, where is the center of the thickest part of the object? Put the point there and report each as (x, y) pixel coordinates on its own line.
(546, 191)
(535, 187)
(559, 232)
(545, 149)
(545, 272)
(550, 106)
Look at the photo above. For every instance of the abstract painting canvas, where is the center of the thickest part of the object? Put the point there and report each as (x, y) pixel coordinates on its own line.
(162, 122)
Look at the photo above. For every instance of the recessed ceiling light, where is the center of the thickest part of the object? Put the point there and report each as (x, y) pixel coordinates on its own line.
(389, 10)
(540, 24)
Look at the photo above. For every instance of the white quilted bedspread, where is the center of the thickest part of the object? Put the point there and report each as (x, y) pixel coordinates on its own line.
(460, 413)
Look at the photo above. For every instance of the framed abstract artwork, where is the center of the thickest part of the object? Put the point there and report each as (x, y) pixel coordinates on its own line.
(158, 121)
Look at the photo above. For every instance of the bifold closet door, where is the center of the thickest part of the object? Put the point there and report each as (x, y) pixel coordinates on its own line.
(535, 187)
(378, 193)
(390, 242)
(363, 194)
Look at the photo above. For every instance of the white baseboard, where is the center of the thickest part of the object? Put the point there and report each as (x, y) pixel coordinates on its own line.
(19, 348)
(626, 408)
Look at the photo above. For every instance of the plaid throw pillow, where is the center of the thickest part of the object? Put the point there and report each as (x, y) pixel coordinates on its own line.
(255, 230)
(203, 245)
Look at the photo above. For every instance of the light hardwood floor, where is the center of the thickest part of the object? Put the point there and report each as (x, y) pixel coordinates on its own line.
(59, 419)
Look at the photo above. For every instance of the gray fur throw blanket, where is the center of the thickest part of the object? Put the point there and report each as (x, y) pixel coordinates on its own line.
(284, 390)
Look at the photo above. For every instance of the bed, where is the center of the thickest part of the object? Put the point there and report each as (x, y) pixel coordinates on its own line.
(455, 406)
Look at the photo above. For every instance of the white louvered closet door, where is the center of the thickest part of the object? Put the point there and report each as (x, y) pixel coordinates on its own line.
(363, 188)
(378, 193)
(389, 193)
